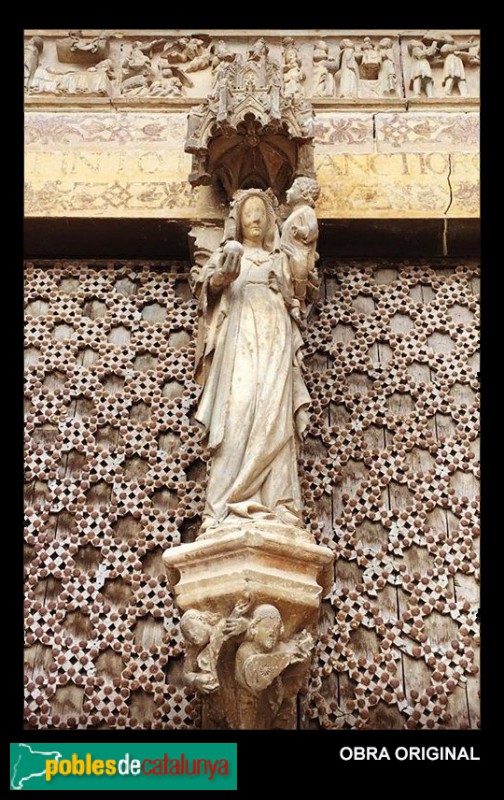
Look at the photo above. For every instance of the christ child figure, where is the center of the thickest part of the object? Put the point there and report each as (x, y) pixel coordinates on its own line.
(299, 237)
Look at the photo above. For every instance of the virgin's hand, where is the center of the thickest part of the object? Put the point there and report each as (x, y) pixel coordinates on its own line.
(231, 263)
(220, 279)
(228, 270)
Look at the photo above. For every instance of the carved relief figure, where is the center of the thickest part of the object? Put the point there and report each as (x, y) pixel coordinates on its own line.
(290, 52)
(453, 66)
(253, 404)
(168, 83)
(421, 75)
(221, 94)
(194, 121)
(274, 83)
(323, 77)
(370, 63)
(44, 81)
(387, 78)
(137, 71)
(220, 52)
(32, 53)
(253, 72)
(189, 50)
(84, 46)
(96, 80)
(261, 664)
(294, 74)
(349, 70)
(205, 633)
(75, 49)
(474, 51)
(259, 51)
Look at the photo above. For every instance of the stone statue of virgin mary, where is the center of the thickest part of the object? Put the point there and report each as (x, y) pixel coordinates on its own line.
(252, 293)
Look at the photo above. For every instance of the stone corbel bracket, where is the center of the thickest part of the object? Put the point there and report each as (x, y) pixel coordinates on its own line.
(260, 579)
(293, 573)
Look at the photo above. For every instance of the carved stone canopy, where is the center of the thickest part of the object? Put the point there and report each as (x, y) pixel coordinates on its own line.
(255, 129)
(252, 157)
(250, 151)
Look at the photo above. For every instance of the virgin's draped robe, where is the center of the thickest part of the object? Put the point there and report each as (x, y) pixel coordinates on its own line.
(253, 405)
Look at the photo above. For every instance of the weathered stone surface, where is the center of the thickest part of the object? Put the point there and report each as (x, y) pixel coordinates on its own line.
(107, 165)
(253, 293)
(465, 185)
(381, 185)
(439, 65)
(252, 549)
(120, 164)
(256, 127)
(250, 586)
(113, 181)
(115, 128)
(251, 595)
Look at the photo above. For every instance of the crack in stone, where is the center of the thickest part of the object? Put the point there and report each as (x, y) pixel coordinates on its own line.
(449, 182)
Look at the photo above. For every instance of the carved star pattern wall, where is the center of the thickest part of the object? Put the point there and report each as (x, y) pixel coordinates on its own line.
(115, 474)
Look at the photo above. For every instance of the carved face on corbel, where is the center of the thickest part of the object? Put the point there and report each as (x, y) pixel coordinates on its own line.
(195, 628)
(266, 627)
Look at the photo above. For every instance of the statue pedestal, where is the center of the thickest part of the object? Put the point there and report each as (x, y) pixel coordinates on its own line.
(267, 564)
(274, 563)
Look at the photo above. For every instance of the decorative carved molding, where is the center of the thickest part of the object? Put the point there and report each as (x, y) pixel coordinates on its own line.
(338, 70)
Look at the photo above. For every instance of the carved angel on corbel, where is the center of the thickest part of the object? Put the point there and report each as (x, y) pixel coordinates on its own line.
(205, 633)
(269, 670)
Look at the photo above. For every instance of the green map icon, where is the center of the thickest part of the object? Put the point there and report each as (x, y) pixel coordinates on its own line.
(28, 763)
